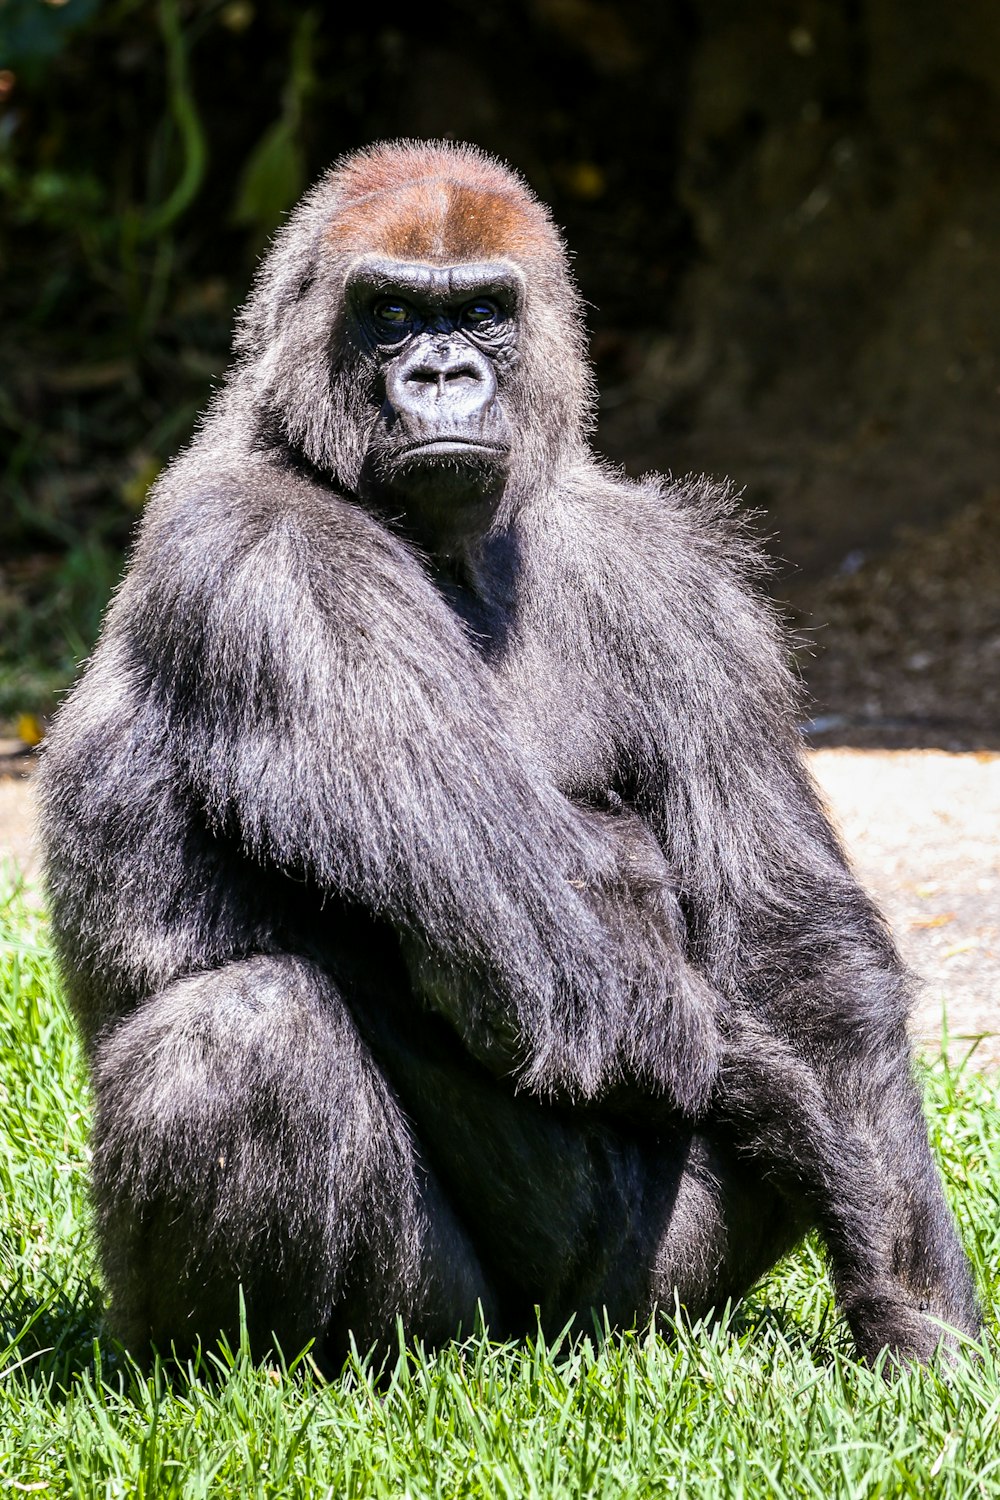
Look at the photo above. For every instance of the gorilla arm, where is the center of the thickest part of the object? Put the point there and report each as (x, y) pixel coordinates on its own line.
(815, 1080)
(328, 702)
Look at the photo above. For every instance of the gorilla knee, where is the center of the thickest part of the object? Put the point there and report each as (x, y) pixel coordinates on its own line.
(244, 1137)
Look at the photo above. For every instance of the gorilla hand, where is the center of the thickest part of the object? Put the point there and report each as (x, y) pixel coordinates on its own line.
(639, 1035)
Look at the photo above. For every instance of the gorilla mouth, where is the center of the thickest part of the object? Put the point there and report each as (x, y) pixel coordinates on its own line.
(452, 447)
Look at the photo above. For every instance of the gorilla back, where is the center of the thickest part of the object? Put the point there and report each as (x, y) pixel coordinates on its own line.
(433, 870)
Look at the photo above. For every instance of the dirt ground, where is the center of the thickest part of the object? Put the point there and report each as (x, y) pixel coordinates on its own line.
(902, 650)
(921, 828)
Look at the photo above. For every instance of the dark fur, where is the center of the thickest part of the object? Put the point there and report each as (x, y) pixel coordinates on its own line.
(446, 907)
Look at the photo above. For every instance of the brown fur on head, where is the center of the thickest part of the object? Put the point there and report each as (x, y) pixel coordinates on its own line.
(438, 204)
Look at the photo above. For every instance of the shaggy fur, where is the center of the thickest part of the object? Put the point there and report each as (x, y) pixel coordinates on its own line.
(459, 924)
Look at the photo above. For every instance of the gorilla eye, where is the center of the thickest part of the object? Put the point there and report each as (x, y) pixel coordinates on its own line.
(393, 314)
(481, 314)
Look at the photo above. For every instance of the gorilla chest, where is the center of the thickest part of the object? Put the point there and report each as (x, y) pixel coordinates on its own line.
(558, 712)
(555, 700)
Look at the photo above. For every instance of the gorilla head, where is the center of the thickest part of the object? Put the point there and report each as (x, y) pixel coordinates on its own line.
(416, 336)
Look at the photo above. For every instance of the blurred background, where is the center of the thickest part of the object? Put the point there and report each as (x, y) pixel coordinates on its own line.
(785, 217)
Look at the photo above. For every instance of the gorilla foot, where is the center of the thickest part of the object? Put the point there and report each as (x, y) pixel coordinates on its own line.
(885, 1322)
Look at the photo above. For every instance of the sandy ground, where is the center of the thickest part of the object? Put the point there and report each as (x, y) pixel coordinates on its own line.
(17, 840)
(922, 829)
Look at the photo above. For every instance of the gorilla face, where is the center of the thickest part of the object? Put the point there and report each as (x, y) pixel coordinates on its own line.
(444, 340)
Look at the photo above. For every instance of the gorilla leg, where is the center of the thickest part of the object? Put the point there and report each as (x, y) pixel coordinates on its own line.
(244, 1136)
(553, 1197)
(926, 1261)
(843, 1148)
(574, 1212)
(716, 1225)
(845, 1137)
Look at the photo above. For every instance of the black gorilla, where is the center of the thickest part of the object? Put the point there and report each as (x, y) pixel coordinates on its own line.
(433, 869)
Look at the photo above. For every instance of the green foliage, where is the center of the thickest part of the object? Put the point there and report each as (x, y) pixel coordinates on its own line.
(272, 179)
(49, 618)
(764, 1403)
(275, 173)
(114, 314)
(32, 31)
(125, 240)
(189, 127)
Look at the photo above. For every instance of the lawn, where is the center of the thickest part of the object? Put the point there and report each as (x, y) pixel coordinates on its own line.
(766, 1402)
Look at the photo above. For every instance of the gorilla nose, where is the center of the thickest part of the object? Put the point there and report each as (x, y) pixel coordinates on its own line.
(442, 387)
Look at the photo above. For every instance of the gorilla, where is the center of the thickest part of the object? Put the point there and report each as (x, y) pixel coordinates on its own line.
(434, 874)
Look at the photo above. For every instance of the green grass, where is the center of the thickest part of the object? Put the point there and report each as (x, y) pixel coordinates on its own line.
(767, 1402)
